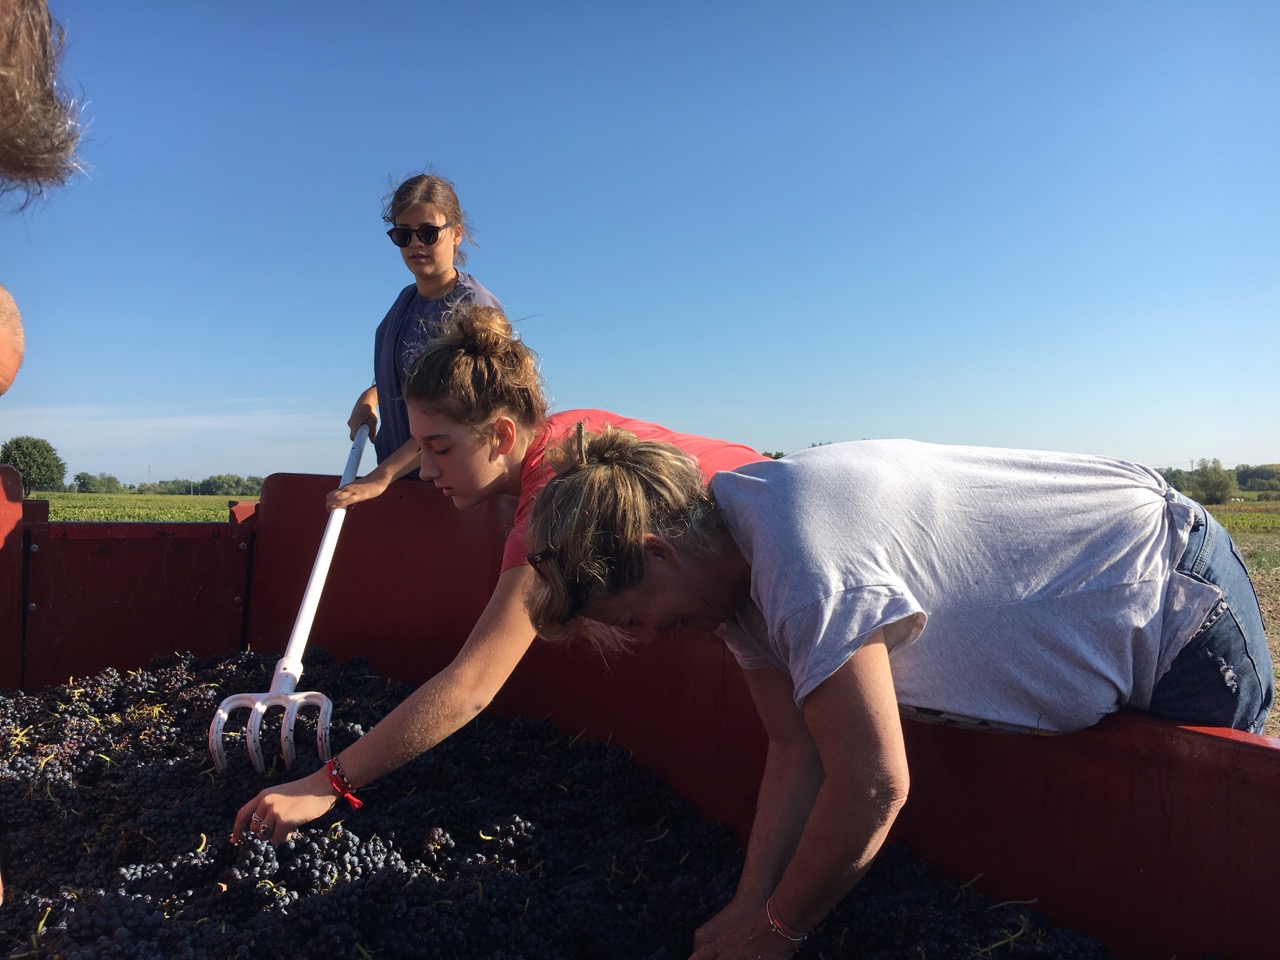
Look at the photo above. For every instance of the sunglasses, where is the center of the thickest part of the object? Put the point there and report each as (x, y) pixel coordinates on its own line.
(428, 233)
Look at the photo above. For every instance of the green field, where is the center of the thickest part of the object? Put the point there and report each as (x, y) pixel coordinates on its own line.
(154, 508)
(1248, 517)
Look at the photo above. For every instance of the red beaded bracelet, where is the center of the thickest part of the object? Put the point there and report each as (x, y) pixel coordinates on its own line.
(341, 785)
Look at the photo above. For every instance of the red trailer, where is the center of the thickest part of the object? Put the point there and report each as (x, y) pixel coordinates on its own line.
(1159, 840)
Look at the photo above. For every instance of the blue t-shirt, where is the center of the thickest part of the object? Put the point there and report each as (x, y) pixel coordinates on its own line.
(401, 337)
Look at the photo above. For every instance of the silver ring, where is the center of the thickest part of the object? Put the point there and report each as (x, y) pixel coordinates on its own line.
(264, 829)
(256, 819)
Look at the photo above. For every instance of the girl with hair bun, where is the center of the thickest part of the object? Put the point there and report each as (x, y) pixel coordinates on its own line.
(478, 416)
(428, 226)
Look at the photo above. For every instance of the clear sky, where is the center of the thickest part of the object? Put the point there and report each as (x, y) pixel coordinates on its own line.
(1002, 222)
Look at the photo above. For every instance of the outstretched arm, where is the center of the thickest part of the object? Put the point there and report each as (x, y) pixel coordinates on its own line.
(792, 777)
(808, 848)
(430, 714)
(373, 484)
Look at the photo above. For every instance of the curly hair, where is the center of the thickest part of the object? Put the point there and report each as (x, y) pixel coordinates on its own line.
(475, 368)
(39, 125)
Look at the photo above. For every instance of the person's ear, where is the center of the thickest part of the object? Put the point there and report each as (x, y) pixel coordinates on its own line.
(661, 549)
(504, 435)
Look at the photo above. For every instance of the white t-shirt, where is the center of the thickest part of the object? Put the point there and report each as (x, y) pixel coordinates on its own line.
(1041, 585)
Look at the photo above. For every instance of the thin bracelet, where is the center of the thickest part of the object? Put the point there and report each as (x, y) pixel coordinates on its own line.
(341, 785)
(781, 929)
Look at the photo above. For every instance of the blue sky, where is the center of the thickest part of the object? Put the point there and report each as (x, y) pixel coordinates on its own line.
(1030, 224)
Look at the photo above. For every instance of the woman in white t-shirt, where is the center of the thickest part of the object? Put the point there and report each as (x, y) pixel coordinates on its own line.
(1027, 590)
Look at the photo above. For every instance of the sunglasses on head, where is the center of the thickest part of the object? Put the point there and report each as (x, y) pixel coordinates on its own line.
(428, 233)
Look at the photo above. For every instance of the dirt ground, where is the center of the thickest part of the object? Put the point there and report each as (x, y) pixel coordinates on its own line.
(1268, 588)
(1260, 554)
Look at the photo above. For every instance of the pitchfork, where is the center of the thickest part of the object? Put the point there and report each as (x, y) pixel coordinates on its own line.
(289, 667)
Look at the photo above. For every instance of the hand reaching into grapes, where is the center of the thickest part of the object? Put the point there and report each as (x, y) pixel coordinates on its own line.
(277, 811)
(751, 939)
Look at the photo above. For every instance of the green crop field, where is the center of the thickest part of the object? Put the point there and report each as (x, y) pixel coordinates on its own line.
(1249, 517)
(154, 508)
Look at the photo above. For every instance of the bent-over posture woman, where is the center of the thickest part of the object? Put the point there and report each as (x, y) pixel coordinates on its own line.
(479, 416)
(1026, 590)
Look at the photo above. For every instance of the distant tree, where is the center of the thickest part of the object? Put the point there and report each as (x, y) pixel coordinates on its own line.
(1211, 482)
(37, 462)
(102, 483)
(1179, 479)
(1265, 476)
(221, 485)
(230, 485)
(171, 486)
(218, 485)
(775, 455)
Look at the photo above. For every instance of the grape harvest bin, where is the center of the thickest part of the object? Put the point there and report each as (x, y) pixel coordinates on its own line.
(1158, 840)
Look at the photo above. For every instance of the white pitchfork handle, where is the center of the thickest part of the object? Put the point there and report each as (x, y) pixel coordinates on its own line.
(289, 667)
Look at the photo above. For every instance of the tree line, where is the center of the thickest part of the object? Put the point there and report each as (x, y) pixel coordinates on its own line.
(42, 469)
(1210, 482)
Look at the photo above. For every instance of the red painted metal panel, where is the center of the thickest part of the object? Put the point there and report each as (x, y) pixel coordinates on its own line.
(1139, 832)
(679, 705)
(243, 511)
(1158, 840)
(120, 594)
(410, 574)
(11, 560)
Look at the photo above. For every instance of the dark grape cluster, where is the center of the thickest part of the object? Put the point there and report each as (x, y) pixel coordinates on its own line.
(507, 841)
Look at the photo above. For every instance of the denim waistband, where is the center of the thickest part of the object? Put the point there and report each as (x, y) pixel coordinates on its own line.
(1196, 538)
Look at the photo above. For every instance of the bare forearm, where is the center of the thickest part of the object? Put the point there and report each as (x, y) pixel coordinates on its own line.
(853, 717)
(844, 833)
(373, 484)
(401, 463)
(792, 778)
(451, 698)
(432, 713)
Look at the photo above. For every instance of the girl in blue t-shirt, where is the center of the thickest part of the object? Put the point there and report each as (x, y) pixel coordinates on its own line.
(428, 226)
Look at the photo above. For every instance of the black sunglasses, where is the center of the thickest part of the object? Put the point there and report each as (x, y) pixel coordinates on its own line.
(428, 233)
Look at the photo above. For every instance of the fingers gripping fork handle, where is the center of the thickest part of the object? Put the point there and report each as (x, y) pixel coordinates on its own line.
(284, 680)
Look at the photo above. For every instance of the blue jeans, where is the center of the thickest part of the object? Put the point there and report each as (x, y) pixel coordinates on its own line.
(1223, 676)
